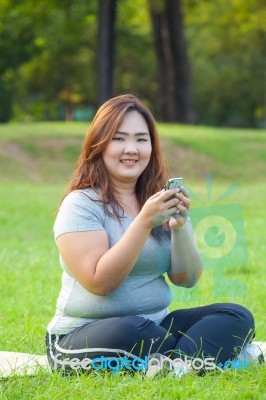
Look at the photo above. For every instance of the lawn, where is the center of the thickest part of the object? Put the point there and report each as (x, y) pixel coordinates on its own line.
(224, 171)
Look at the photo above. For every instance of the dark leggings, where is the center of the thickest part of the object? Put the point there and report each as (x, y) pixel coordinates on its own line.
(217, 330)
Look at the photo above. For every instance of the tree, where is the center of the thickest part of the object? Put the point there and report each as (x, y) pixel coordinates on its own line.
(227, 43)
(173, 65)
(49, 63)
(106, 48)
(16, 47)
(164, 61)
(60, 75)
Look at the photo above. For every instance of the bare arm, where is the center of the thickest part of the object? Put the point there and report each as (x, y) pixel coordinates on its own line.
(97, 267)
(101, 269)
(186, 262)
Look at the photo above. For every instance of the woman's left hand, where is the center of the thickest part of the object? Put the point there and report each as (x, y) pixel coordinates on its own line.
(178, 220)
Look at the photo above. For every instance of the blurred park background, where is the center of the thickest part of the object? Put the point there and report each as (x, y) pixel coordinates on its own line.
(200, 67)
(191, 61)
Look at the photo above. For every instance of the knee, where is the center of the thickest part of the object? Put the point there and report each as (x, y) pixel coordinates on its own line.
(242, 313)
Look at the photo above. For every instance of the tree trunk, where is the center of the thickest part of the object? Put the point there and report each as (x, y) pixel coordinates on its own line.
(175, 85)
(181, 67)
(164, 61)
(106, 36)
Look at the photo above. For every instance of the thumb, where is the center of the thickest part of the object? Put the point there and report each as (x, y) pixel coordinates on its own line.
(157, 194)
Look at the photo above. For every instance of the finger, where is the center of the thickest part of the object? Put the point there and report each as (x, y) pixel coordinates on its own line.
(183, 212)
(162, 217)
(169, 193)
(176, 223)
(184, 191)
(172, 202)
(184, 200)
(180, 218)
(156, 195)
(182, 197)
(177, 215)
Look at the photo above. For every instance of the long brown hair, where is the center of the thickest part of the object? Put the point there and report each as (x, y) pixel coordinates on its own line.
(90, 171)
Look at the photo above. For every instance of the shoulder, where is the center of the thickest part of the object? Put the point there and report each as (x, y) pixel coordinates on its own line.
(86, 198)
(83, 203)
(80, 211)
(82, 194)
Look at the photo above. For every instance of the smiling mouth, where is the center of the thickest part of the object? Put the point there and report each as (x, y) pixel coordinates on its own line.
(128, 161)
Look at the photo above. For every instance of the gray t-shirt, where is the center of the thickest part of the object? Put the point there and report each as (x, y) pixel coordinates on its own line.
(144, 292)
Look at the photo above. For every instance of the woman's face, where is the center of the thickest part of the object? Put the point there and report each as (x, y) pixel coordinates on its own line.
(128, 153)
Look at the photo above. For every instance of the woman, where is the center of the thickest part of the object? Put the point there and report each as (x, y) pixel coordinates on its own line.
(119, 232)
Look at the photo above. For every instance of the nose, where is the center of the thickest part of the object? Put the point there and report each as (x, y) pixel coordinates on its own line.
(130, 148)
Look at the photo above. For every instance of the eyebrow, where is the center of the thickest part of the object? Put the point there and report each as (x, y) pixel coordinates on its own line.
(135, 134)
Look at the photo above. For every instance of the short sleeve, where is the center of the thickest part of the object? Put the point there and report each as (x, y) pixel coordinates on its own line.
(79, 212)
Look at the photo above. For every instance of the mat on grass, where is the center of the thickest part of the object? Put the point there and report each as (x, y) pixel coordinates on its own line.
(13, 363)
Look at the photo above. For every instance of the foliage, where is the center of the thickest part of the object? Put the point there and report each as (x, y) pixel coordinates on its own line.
(49, 51)
(135, 70)
(59, 67)
(227, 48)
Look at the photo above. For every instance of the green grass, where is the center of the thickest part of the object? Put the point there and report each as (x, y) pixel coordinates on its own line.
(47, 152)
(230, 153)
(36, 162)
(246, 385)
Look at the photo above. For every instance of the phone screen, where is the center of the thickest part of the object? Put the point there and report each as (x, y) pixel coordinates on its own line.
(175, 183)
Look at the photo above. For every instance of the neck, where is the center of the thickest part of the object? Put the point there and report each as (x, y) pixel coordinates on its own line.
(127, 198)
(125, 189)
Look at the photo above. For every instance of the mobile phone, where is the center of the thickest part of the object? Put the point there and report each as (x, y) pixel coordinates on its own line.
(174, 183)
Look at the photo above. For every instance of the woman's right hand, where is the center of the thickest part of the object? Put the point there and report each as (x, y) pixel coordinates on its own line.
(158, 209)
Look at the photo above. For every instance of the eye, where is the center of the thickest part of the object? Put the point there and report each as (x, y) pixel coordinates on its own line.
(142, 140)
(119, 139)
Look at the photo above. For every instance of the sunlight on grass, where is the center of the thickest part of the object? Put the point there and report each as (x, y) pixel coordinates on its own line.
(36, 162)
